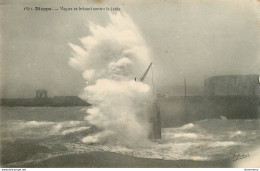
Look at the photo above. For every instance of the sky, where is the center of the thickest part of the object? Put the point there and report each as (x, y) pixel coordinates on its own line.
(194, 39)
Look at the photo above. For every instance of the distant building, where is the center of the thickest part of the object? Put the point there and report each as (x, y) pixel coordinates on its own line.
(232, 85)
(41, 94)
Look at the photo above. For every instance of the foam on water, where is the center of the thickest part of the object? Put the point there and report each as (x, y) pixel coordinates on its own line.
(194, 141)
(72, 130)
(186, 135)
(109, 64)
(19, 129)
(198, 143)
(210, 139)
(187, 126)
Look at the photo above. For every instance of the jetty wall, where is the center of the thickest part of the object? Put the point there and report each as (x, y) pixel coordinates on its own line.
(176, 111)
(56, 101)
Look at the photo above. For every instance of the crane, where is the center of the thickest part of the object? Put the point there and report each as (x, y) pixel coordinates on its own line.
(141, 79)
(155, 118)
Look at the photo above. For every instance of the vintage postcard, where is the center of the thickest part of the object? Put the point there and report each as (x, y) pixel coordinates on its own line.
(130, 84)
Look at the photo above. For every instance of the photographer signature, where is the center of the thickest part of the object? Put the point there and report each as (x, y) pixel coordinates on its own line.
(240, 156)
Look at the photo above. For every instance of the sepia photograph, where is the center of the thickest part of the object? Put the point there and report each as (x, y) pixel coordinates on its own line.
(130, 84)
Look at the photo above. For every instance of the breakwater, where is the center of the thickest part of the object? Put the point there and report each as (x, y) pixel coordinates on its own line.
(57, 101)
(176, 111)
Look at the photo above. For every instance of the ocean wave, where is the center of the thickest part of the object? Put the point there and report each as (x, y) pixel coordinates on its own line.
(222, 144)
(167, 151)
(72, 130)
(36, 124)
(188, 126)
(237, 134)
(185, 135)
(193, 141)
(38, 129)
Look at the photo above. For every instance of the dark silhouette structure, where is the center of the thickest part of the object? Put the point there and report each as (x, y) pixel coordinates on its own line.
(155, 120)
(41, 99)
(41, 94)
(232, 85)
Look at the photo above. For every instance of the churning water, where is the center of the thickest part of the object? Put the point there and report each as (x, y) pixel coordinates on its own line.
(45, 132)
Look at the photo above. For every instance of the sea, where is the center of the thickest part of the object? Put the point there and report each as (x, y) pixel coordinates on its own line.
(34, 134)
